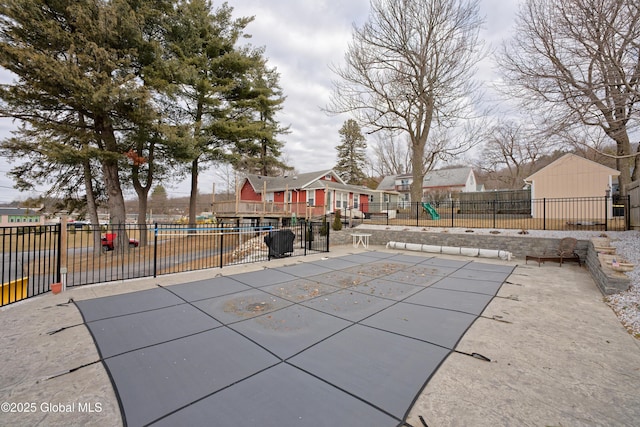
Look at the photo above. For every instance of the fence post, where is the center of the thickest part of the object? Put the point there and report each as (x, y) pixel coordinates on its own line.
(59, 260)
(606, 213)
(627, 213)
(327, 238)
(452, 208)
(304, 236)
(155, 249)
(544, 213)
(387, 213)
(221, 244)
(494, 203)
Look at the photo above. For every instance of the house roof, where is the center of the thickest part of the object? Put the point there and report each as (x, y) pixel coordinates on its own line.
(388, 183)
(280, 183)
(439, 178)
(20, 211)
(309, 180)
(572, 157)
(446, 177)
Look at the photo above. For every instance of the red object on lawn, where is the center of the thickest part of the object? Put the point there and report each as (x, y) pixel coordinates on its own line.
(109, 238)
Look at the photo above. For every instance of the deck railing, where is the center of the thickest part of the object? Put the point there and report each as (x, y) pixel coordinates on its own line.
(247, 207)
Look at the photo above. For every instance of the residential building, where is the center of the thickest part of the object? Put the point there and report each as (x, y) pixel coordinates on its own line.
(12, 217)
(441, 184)
(312, 193)
(573, 176)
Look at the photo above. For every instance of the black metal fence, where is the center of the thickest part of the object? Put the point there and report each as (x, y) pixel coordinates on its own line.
(34, 257)
(30, 261)
(584, 213)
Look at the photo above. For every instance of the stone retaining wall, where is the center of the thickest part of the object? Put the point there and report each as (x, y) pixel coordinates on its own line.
(608, 281)
(519, 246)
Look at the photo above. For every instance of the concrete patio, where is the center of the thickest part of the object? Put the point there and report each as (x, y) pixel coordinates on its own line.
(562, 358)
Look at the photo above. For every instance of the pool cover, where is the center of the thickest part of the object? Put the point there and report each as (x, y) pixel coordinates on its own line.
(348, 341)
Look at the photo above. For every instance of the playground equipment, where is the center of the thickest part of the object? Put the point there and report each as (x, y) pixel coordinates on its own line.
(431, 211)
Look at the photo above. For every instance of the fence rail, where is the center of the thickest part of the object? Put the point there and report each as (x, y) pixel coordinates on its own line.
(35, 257)
(586, 213)
(29, 261)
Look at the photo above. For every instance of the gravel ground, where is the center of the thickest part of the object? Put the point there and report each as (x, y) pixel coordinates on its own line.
(626, 304)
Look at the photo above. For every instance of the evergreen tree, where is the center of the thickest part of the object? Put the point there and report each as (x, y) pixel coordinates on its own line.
(79, 67)
(258, 150)
(351, 153)
(207, 68)
(159, 199)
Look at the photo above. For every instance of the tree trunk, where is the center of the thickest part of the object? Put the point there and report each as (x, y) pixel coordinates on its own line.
(110, 170)
(143, 197)
(417, 158)
(193, 198)
(143, 190)
(636, 166)
(623, 162)
(91, 207)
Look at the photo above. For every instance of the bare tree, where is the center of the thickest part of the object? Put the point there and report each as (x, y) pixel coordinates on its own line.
(227, 176)
(592, 144)
(512, 149)
(390, 157)
(409, 69)
(578, 62)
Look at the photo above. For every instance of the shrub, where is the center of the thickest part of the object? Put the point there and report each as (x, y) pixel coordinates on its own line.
(337, 221)
(324, 228)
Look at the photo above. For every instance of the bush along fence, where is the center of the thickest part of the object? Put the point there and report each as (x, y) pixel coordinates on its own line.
(34, 257)
(585, 213)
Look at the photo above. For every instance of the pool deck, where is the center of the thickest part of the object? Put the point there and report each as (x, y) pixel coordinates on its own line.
(559, 356)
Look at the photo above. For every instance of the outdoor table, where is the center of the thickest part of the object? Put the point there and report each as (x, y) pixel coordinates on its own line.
(360, 238)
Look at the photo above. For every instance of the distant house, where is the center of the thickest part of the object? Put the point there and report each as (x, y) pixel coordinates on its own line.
(12, 217)
(572, 176)
(439, 184)
(315, 193)
(386, 193)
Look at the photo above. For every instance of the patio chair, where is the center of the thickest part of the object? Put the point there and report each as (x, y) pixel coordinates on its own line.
(566, 252)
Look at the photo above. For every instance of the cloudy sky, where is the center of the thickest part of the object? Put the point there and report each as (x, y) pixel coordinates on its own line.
(301, 38)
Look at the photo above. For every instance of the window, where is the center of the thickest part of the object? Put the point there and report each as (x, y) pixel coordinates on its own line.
(386, 198)
(269, 197)
(311, 201)
(356, 201)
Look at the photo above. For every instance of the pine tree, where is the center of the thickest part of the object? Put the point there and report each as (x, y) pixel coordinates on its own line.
(79, 93)
(208, 69)
(351, 153)
(258, 149)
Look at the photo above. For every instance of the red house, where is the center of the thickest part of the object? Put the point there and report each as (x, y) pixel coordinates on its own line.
(313, 193)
